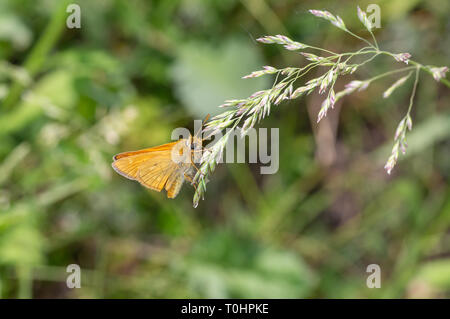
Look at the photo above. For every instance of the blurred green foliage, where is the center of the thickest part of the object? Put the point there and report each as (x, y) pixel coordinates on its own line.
(71, 98)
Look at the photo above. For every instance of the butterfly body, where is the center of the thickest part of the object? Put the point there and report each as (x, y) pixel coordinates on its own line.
(165, 166)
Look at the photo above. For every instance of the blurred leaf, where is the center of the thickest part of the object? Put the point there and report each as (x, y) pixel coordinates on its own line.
(14, 30)
(57, 89)
(16, 155)
(21, 243)
(53, 92)
(205, 76)
(224, 265)
(436, 273)
(395, 9)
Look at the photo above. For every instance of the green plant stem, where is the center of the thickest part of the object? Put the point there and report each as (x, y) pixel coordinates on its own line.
(368, 60)
(374, 39)
(351, 54)
(377, 52)
(390, 72)
(357, 53)
(37, 56)
(421, 66)
(443, 81)
(413, 93)
(360, 38)
(324, 50)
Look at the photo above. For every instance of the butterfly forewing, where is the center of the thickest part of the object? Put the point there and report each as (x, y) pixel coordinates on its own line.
(154, 167)
(129, 166)
(155, 172)
(160, 148)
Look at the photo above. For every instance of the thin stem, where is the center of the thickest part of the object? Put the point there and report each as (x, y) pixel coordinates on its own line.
(368, 60)
(324, 50)
(413, 93)
(358, 52)
(374, 39)
(362, 39)
(390, 72)
(377, 51)
(443, 81)
(38, 54)
(311, 66)
(276, 79)
(334, 82)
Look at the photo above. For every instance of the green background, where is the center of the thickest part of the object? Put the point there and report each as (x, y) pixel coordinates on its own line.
(138, 69)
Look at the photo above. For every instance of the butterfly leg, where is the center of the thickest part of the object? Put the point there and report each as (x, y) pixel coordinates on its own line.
(191, 181)
(195, 166)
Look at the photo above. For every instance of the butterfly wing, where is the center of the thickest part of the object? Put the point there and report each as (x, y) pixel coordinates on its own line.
(127, 164)
(155, 172)
(174, 183)
(152, 167)
(160, 148)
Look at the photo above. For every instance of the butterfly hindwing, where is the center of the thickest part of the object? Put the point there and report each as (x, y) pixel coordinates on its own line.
(173, 185)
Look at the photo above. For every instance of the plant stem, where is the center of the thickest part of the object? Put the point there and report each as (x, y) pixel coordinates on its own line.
(413, 93)
(39, 52)
(368, 60)
(324, 50)
(390, 72)
(443, 81)
(374, 39)
(362, 39)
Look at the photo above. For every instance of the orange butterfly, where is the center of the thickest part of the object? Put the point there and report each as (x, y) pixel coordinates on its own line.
(165, 166)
